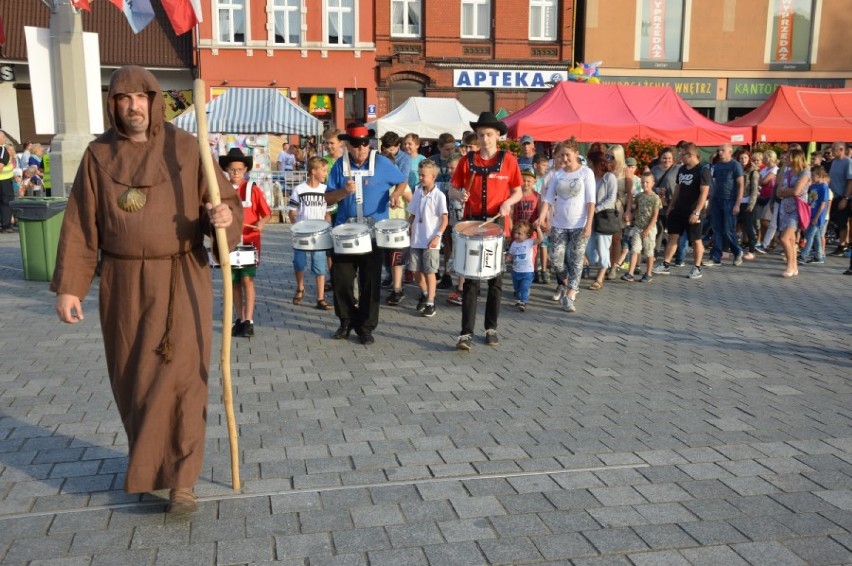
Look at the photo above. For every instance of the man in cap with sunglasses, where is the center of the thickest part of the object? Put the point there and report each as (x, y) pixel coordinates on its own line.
(361, 170)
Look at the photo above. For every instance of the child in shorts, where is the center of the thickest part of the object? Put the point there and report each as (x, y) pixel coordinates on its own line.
(427, 215)
(521, 254)
(256, 213)
(307, 202)
(642, 236)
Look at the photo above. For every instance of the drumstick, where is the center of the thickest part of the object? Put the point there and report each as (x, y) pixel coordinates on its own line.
(492, 219)
(251, 226)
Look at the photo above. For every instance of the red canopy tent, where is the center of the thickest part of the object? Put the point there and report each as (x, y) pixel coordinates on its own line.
(616, 113)
(801, 114)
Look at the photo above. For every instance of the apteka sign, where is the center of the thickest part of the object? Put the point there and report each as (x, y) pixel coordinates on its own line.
(516, 78)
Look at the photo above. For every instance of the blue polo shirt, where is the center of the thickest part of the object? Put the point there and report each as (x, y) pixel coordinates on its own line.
(376, 188)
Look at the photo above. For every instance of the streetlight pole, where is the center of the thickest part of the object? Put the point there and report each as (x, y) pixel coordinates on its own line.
(70, 106)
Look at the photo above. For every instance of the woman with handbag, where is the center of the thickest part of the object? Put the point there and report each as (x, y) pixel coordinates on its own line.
(793, 193)
(606, 221)
(623, 203)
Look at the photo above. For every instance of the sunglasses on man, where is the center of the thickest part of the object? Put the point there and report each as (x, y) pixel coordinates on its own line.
(359, 143)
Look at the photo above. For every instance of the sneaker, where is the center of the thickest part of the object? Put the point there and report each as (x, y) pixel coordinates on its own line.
(522, 306)
(624, 266)
(545, 278)
(386, 283)
(695, 273)
(464, 342)
(662, 269)
(446, 281)
(568, 304)
(679, 263)
(646, 278)
(455, 298)
(491, 338)
(237, 328)
(738, 260)
(710, 263)
(395, 297)
(584, 274)
(421, 303)
(248, 329)
(801, 261)
(561, 290)
(748, 256)
(428, 311)
(628, 277)
(838, 251)
(759, 248)
(817, 260)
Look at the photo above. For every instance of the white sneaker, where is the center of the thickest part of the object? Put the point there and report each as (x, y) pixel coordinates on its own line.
(695, 273)
(561, 291)
(568, 304)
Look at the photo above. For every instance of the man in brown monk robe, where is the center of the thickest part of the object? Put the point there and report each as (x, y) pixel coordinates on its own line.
(141, 199)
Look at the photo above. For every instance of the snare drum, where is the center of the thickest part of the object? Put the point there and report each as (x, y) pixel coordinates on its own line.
(477, 250)
(392, 234)
(352, 239)
(243, 256)
(312, 235)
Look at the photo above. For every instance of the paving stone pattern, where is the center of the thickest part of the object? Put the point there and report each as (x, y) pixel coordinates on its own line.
(677, 422)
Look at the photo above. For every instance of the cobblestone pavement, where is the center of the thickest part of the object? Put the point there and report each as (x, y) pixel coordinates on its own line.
(677, 422)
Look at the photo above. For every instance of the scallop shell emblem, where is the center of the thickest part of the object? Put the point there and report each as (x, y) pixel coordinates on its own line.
(132, 200)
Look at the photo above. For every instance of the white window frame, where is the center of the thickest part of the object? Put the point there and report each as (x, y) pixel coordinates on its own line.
(291, 6)
(328, 9)
(231, 6)
(543, 7)
(476, 5)
(407, 6)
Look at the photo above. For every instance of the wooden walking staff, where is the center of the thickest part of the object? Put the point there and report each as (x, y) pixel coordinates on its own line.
(227, 286)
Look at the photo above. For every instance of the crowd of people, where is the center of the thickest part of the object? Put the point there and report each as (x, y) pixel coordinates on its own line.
(571, 214)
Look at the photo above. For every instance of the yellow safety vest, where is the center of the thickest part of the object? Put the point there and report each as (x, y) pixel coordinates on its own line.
(8, 170)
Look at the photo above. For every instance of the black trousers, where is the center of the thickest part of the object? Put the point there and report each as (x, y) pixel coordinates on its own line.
(7, 195)
(470, 294)
(368, 269)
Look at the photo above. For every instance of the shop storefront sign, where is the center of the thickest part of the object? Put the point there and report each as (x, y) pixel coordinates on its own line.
(688, 89)
(761, 89)
(517, 78)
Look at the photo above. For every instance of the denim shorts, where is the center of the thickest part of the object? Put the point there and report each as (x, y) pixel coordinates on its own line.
(319, 265)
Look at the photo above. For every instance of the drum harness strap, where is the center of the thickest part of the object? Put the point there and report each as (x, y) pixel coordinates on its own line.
(358, 175)
(246, 203)
(484, 172)
(165, 347)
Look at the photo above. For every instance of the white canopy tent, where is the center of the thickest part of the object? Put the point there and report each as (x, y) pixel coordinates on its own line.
(426, 117)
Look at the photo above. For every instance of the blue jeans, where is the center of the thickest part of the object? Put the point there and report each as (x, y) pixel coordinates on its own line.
(724, 227)
(682, 244)
(813, 239)
(522, 283)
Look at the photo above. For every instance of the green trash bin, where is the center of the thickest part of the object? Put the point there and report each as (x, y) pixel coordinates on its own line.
(39, 224)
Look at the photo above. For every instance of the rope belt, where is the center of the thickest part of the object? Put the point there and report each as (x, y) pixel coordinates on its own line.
(165, 347)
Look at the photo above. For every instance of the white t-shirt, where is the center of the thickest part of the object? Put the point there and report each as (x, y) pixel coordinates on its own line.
(523, 255)
(427, 210)
(309, 202)
(286, 161)
(569, 193)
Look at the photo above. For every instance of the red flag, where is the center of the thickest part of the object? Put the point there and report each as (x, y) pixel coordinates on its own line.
(82, 4)
(2, 32)
(182, 15)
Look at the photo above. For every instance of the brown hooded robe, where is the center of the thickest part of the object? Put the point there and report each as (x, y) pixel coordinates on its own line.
(163, 405)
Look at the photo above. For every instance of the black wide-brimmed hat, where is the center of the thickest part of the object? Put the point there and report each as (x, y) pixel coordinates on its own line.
(235, 154)
(489, 120)
(356, 131)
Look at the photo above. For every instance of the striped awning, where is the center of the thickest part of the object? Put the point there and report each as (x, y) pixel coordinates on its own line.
(253, 111)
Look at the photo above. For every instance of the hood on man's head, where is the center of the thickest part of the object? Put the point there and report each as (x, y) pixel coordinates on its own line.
(132, 78)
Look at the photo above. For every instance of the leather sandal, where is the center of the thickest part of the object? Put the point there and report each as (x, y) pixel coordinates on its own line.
(297, 298)
(323, 305)
(182, 502)
(596, 285)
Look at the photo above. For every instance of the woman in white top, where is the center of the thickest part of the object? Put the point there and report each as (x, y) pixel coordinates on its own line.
(606, 192)
(571, 195)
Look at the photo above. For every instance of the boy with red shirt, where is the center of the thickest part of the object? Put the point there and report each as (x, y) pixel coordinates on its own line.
(256, 214)
(489, 182)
